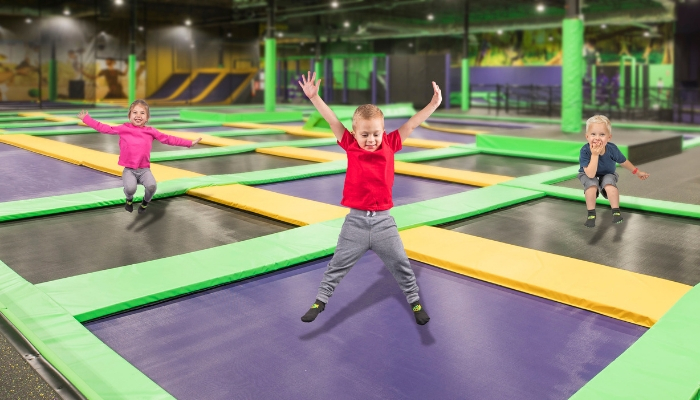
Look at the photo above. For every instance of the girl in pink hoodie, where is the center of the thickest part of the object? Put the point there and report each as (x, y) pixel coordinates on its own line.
(135, 141)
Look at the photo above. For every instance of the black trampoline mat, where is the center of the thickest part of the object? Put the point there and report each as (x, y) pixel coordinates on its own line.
(110, 143)
(675, 178)
(499, 165)
(652, 244)
(58, 246)
(282, 137)
(235, 164)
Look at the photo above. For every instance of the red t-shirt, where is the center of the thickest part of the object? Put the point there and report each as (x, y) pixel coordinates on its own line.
(370, 174)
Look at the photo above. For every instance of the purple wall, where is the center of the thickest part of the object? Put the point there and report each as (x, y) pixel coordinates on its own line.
(540, 75)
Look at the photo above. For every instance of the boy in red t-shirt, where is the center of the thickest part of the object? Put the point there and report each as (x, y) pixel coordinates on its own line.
(367, 191)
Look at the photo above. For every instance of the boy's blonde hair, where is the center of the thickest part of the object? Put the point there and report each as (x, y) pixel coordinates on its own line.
(599, 119)
(366, 111)
(140, 102)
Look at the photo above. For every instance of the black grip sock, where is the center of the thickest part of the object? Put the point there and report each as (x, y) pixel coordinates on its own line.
(129, 206)
(313, 312)
(142, 207)
(422, 317)
(590, 220)
(617, 216)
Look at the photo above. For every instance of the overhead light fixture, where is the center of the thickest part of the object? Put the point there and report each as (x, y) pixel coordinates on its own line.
(551, 38)
(359, 47)
(229, 34)
(280, 34)
(334, 4)
(66, 11)
(500, 32)
(192, 46)
(119, 2)
(646, 34)
(301, 44)
(346, 24)
(140, 28)
(313, 48)
(410, 44)
(188, 22)
(431, 17)
(604, 26)
(540, 7)
(28, 20)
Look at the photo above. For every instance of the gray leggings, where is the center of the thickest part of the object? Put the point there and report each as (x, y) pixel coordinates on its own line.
(362, 232)
(132, 177)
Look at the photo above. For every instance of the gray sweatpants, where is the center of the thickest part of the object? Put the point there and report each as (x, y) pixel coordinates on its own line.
(132, 177)
(362, 231)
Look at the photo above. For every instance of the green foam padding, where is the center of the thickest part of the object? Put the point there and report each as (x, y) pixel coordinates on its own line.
(690, 143)
(344, 114)
(550, 149)
(228, 150)
(572, 75)
(662, 364)
(436, 154)
(21, 209)
(178, 125)
(258, 117)
(36, 124)
(93, 368)
(246, 132)
(102, 293)
(17, 118)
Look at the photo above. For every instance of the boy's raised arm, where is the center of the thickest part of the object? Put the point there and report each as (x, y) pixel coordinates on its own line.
(406, 129)
(310, 87)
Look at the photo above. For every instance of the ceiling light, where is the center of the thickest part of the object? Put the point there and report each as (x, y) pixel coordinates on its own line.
(410, 44)
(431, 17)
(346, 24)
(280, 34)
(66, 11)
(359, 47)
(540, 7)
(229, 34)
(188, 22)
(192, 46)
(551, 38)
(140, 28)
(119, 2)
(646, 34)
(500, 32)
(603, 26)
(313, 48)
(334, 4)
(28, 20)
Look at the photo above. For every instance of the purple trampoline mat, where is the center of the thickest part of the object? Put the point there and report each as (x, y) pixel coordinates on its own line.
(27, 175)
(391, 124)
(337, 149)
(329, 189)
(246, 340)
(488, 124)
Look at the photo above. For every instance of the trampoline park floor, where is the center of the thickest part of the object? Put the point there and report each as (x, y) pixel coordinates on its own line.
(366, 344)
(652, 244)
(675, 178)
(244, 339)
(110, 143)
(170, 227)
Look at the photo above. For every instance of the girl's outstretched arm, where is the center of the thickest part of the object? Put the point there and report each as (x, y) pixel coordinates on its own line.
(173, 140)
(310, 87)
(96, 125)
(406, 129)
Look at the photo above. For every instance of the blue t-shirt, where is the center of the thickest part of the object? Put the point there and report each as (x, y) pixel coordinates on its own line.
(606, 162)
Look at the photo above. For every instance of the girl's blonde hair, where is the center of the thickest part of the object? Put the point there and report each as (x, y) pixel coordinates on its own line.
(366, 111)
(599, 119)
(140, 102)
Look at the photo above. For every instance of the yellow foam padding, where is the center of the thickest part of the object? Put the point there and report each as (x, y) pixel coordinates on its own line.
(282, 207)
(449, 174)
(207, 139)
(35, 114)
(303, 153)
(94, 159)
(55, 118)
(451, 130)
(620, 294)
(427, 144)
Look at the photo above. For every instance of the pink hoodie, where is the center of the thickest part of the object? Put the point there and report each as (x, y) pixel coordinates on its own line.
(135, 142)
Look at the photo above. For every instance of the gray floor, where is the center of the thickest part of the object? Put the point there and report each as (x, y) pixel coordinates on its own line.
(18, 380)
(234, 164)
(93, 240)
(651, 244)
(675, 178)
(499, 165)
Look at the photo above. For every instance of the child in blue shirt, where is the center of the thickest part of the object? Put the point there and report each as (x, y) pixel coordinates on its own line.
(597, 173)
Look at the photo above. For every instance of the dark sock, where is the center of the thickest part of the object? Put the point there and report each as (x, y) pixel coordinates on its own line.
(142, 207)
(129, 205)
(313, 312)
(422, 317)
(617, 216)
(590, 220)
